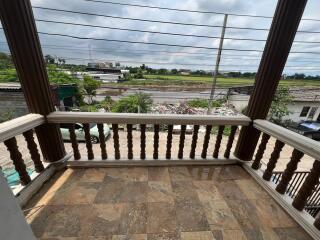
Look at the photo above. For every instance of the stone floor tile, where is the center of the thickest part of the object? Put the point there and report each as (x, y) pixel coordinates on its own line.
(251, 189)
(233, 172)
(271, 214)
(130, 237)
(77, 193)
(206, 235)
(61, 221)
(179, 174)
(217, 235)
(160, 191)
(260, 234)
(220, 216)
(203, 173)
(93, 175)
(164, 236)
(122, 192)
(294, 233)
(245, 213)
(158, 174)
(230, 190)
(157, 203)
(207, 191)
(233, 235)
(133, 174)
(108, 219)
(184, 191)
(135, 219)
(191, 216)
(161, 218)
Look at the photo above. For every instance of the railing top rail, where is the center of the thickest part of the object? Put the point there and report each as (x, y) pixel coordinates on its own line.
(299, 142)
(132, 118)
(19, 125)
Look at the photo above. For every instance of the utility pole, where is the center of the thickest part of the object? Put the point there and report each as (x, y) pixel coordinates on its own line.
(216, 70)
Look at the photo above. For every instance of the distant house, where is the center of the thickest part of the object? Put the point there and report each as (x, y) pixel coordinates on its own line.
(185, 71)
(105, 71)
(305, 104)
(13, 101)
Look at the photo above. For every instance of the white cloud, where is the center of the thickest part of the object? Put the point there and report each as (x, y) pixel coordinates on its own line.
(125, 51)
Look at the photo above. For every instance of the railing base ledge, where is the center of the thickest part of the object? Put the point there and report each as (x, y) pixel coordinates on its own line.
(301, 217)
(23, 194)
(147, 163)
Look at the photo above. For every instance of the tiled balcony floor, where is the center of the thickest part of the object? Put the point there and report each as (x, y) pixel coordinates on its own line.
(219, 202)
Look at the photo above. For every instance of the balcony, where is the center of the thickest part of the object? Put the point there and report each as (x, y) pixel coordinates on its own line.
(147, 182)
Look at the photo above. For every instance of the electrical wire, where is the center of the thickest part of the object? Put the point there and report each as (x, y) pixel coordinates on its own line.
(148, 43)
(162, 33)
(188, 10)
(159, 21)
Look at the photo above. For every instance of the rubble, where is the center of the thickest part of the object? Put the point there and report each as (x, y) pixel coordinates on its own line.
(183, 108)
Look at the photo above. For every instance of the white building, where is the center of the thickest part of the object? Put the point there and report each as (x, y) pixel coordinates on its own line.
(305, 104)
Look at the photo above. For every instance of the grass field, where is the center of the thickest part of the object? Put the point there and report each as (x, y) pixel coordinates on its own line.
(167, 80)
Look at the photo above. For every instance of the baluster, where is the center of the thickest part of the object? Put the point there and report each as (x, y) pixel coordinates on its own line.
(289, 171)
(169, 142)
(129, 139)
(317, 222)
(262, 147)
(116, 145)
(218, 142)
(18, 162)
(206, 141)
(87, 137)
(181, 141)
(33, 149)
(307, 187)
(156, 141)
(194, 141)
(74, 142)
(102, 140)
(273, 160)
(143, 141)
(230, 141)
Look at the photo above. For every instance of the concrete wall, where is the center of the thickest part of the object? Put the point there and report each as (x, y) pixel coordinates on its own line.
(240, 101)
(295, 109)
(13, 101)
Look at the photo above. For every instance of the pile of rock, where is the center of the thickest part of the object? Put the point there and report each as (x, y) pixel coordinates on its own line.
(182, 108)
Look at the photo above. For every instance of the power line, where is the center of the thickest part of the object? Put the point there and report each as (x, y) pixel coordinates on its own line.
(225, 55)
(149, 43)
(175, 9)
(162, 33)
(128, 29)
(192, 11)
(159, 21)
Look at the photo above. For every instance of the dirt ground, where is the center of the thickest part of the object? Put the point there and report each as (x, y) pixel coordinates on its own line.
(304, 165)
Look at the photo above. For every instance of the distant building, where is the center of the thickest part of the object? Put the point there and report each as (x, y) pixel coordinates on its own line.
(304, 106)
(104, 71)
(13, 101)
(185, 72)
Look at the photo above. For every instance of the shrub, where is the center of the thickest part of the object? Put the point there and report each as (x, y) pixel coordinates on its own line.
(202, 103)
(139, 102)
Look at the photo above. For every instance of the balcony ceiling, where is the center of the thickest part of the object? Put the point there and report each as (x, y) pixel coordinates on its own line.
(216, 202)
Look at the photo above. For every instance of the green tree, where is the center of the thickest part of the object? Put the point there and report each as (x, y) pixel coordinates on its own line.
(139, 74)
(279, 105)
(49, 59)
(57, 76)
(139, 102)
(90, 86)
(107, 104)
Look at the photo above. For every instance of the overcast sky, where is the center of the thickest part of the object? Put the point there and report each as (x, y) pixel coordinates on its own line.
(133, 54)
